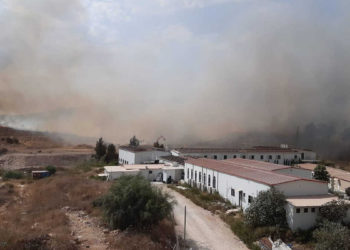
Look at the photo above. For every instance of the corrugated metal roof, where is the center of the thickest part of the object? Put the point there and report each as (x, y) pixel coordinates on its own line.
(311, 201)
(257, 171)
(334, 172)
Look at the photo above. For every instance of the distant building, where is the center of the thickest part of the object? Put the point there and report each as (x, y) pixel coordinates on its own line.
(240, 180)
(152, 172)
(339, 181)
(279, 155)
(143, 154)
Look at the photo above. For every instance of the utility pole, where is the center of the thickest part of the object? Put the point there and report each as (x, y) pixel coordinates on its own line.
(185, 226)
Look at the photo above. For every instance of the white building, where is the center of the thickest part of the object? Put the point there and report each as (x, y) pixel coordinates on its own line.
(240, 181)
(152, 172)
(279, 155)
(143, 154)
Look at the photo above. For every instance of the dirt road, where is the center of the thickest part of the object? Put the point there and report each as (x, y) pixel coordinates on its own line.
(207, 231)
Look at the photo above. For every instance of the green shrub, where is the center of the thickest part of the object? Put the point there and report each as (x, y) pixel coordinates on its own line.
(347, 191)
(12, 175)
(334, 210)
(51, 169)
(332, 235)
(267, 209)
(132, 201)
(321, 173)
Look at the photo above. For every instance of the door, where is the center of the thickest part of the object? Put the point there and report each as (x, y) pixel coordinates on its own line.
(240, 198)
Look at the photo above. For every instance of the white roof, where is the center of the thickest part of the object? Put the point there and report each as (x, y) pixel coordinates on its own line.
(138, 167)
(311, 201)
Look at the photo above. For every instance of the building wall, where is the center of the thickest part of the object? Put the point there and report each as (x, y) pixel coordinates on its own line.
(303, 173)
(303, 220)
(299, 188)
(338, 185)
(127, 157)
(224, 184)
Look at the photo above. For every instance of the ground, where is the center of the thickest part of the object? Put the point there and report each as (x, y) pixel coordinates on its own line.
(203, 229)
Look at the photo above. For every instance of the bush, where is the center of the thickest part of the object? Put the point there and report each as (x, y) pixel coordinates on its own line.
(132, 201)
(321, 173)
(334, 210)
(267, 209)
(347, 191)
(332, 235)
(51, 169)
(12, 175)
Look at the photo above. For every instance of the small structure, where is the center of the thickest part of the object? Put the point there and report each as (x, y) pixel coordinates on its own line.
(152, 172)
(142, 154)
(39, 174)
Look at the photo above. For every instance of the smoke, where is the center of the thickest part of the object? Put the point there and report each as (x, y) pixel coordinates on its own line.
(269, 68)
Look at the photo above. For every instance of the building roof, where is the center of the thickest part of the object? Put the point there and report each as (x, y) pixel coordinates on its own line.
(173, 158)
(248, 169)
(311, 201)
(135, 167)
(258, 149)
(140, 148)
(334, 172)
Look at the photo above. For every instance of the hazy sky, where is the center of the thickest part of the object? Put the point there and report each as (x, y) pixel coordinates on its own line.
(179, 68)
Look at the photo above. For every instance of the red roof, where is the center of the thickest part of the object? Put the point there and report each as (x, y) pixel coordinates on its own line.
(261, 172)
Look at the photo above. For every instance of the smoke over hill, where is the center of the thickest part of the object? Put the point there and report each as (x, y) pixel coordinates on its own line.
(265, 70)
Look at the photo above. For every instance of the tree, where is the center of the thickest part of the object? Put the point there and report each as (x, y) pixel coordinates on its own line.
(111, 154)
(51, 169)
(132, 201)
(134, 141)
(347, 191)
(100, 149)
(332, 235)
(158, 145)
(321, 173)
(267, 209)
(334, 210)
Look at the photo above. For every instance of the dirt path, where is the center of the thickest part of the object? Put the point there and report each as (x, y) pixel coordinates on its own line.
(207, 231)
(85, 231)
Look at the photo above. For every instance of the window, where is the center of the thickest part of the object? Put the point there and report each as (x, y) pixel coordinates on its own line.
(295, 157)
(250, 199)
(306, 210)
(225, 157)
(278, 157)
(195, 176)
(191, 174)
(298, 210)
(204, 180)
(313, 210)
(214, 182)
(261, 157)
(243, 156)
(205, 156)
(232, 192)
(270, 157)
(150, 172)
(200, 177)
(188, 173)
(252, 157)
(244, 195)
(209, 180)
(215, 157)
(234, 156)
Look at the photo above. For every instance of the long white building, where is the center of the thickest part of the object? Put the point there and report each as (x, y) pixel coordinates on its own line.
(240, 181)
(279, 155)
(143, 154)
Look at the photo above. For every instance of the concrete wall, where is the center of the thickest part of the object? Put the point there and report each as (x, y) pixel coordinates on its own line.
(303, 220)
(126, 157)
(299, 172)
(303, 187)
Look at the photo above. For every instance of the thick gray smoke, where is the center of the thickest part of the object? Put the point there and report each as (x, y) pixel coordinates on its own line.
(274, 67)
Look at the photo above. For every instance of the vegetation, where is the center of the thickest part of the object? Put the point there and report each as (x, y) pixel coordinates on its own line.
(133, 202)
(334, 211)
(3, 151)
(208, 201)
(12, 175)
(321, 173)
(347, 191)
(52, 169)
(332, 235)
(87, 166)
(100, 149)
(267, 209)
(158, 145)
(134, 142)
(111, 155)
